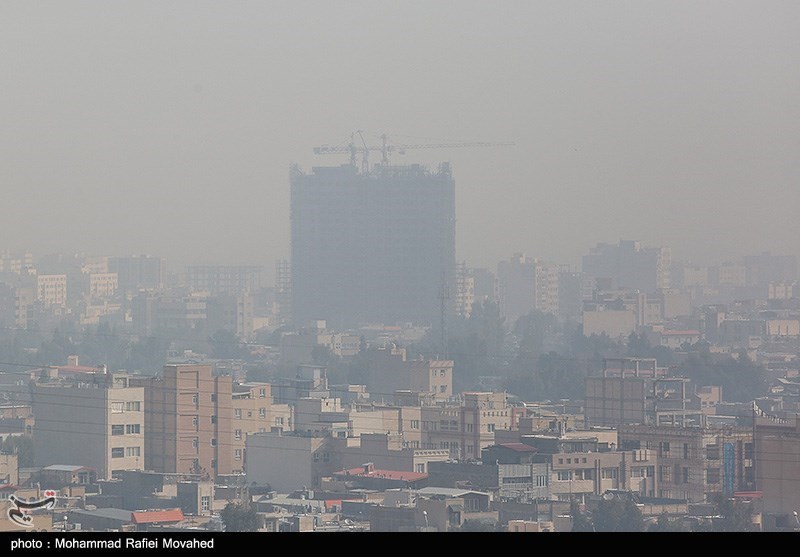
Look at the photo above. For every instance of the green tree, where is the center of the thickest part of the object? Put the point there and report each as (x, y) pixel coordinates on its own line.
(472, 525)
(20, 445)
(735, 516)
(226, 345)
(616, 515)
(665, 524)
(580, 521)
(239, 517)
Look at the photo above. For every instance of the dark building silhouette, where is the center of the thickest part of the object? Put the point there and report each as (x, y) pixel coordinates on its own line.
(376, 247)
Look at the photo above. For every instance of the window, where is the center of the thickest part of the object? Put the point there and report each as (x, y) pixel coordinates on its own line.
(205, 503)
(133, 406)
(117, 407)
(490, 427)
(469, 428)
(132, 451)
(117, 429)
(237, 434)
(213, 397)
(609, 473)
(213, 419)
(195, 443)
(213, 442)
(214, 464)
(196, 422)
(442, 388)
(712, 452)
(663, 448)
(686, 451)
(118, 452)
(712, 476)
(685, 475)
(279, 420)
(748, 451)
(420, 468)
(262, 393)
(564, 475)
(237, 413)
(262, 413)
(133, 429)
(237, 454)
(194, 399)
(414, 424)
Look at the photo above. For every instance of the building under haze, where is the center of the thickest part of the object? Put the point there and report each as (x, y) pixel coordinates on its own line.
(89, 418)
(376, 247)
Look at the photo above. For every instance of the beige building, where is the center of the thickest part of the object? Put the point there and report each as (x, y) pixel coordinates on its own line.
(465, 429)
(90, 419)
(103, 285)
(52, 289)
(387, 452)
(9, 469)
(289, 461)
(777, 453)
(614, 323)
(389, 371)
(254, 412)
(696, 463)
(188, 421)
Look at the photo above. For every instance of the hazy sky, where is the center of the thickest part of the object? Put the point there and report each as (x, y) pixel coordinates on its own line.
(169, 127)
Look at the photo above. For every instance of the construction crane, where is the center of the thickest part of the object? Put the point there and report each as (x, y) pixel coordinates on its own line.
(386, 149)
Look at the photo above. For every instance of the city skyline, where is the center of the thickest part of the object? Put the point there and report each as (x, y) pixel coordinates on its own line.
(669, 123)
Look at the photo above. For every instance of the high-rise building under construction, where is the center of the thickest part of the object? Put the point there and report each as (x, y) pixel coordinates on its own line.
(372, 247)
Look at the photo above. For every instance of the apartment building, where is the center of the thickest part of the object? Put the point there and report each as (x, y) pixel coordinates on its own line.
(188, 421)
(253, 411)
(777, 453)
(51, 290)
(465, 429)
(696, 463)
(92, 419)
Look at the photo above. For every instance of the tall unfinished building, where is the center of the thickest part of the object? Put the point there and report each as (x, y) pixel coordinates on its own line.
(372, 247)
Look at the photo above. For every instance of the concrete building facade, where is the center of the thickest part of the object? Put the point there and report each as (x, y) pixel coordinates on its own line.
(91, 419)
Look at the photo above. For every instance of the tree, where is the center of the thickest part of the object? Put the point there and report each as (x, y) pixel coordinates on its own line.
(736, 516)
(617, 515)
(226, 345)
(20, 445)
(472, 525)
(580, 522)
(665, 524)
(239, 517)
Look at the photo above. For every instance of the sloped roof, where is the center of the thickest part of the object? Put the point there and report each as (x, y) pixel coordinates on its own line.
(151, 517)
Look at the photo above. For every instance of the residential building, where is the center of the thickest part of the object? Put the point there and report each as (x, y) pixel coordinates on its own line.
(777, 475)
(468, 427)
(636, 390)
(224, 279)
(253, 411)
(696, 463)
(188, 421)
(139, 272)
(51, 290)
(92, 419)
(525, 284)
